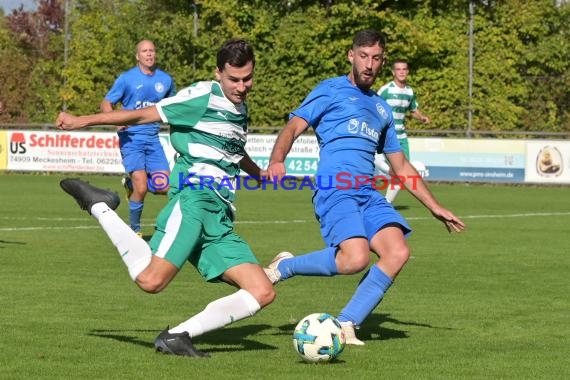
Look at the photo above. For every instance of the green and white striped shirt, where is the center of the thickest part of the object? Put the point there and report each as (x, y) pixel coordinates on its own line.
(401, 100)
(209, 133)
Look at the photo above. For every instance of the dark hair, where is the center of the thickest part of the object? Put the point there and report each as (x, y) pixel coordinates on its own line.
(400, 60)
(236, 52)
(368, 37)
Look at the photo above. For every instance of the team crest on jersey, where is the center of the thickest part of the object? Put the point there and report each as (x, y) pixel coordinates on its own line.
(353, 126)
(159, 87)
(381, 110)
(234, 146)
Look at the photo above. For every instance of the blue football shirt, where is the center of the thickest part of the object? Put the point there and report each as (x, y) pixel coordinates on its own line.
(135, 89)
(351, 126)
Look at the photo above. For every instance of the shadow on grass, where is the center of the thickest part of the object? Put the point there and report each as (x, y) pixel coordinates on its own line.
(233, 339)
(223, 340)
(371, 329)
(11, 242)
(124, 336)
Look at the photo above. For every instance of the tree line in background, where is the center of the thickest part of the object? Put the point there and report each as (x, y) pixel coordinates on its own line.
(66, 54)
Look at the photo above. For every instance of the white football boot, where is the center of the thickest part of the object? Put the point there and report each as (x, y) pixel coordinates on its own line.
(271, 270)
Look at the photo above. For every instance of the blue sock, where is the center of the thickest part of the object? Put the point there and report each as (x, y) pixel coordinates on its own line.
(135, 212)
(367, 296)
(318, 263)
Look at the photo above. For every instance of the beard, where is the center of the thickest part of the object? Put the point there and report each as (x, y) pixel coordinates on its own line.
(364, 79)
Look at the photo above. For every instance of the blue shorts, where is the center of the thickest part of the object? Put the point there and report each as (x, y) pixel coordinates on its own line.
(142, 152)
(345, 214)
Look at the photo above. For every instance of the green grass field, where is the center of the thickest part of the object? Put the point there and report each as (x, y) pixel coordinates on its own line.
(491, 303)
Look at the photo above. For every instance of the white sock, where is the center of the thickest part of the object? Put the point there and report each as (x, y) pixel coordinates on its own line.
(391, 193)
(220, 313)
(134, 251)
(381, 167)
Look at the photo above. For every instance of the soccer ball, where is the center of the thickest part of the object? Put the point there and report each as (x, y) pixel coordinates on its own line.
(318, 338)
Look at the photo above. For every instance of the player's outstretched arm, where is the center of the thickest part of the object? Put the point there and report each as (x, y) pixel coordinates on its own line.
(294, 128)
(414, 183)
(67, 121)
(106, 106)
(452, 222)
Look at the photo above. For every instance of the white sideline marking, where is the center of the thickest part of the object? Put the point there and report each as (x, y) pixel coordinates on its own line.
(488, 216)
(499, 216)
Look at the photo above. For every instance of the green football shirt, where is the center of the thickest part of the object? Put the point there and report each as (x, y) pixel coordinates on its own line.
(209, 133)
(402, 100)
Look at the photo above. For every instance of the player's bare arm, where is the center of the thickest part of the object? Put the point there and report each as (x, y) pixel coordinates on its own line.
(420, 116)
(107, 106)
(294, 128)
(67, 121)
(414, 183)
(251, 168)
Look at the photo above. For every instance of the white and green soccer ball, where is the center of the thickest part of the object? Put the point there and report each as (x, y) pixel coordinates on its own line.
(318, 338)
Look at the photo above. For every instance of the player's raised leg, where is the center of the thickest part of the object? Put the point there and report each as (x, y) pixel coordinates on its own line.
(87, 195)
(100, 203)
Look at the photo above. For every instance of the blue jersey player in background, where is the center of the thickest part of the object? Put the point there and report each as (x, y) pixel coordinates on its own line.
(143, 156)
(352, 124)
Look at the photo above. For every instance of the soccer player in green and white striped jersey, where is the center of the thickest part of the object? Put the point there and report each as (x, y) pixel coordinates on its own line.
(208, 128)
(402, 99)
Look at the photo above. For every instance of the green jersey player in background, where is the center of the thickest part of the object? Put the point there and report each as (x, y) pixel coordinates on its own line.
(208, 119)
(402, 99)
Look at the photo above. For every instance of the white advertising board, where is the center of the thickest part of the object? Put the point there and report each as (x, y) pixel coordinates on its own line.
(548, 161)
(464, 160)
(63, 151)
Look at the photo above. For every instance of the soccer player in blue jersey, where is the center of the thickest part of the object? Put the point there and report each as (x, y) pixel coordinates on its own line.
(208, 129)
(143, 156)
(352, 123)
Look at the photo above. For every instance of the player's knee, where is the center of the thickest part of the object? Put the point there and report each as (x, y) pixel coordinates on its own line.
(360, 263)
(150, 288)
(404, 254)
(354, 263)
(140, 191)
(151, 285)
(399, 257)
(266, 296)
(263, 294)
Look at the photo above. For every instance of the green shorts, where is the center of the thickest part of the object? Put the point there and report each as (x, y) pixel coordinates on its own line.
(196, 225)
